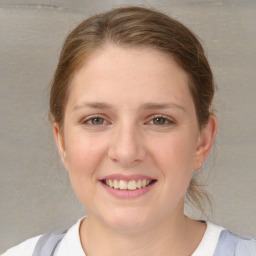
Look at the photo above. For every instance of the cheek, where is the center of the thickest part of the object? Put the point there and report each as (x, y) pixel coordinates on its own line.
(174, 152)
(84, 153)
(174, 156)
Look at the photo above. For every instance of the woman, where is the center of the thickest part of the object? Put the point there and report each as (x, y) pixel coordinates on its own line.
(131, 111)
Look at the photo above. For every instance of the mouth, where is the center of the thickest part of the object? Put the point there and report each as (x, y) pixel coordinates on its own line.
(128, 185)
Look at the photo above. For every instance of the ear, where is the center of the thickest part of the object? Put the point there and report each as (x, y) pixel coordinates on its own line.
(59, 139)
(205, 141)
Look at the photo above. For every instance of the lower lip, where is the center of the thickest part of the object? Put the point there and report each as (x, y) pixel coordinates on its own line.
(128, 194)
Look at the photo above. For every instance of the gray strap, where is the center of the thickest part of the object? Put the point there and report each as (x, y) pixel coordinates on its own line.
(230, 244)
(47, 244)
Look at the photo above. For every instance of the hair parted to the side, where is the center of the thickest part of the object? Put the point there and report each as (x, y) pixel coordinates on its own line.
(137, 27)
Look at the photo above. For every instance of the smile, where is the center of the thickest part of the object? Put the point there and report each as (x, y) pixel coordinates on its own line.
(128, 185)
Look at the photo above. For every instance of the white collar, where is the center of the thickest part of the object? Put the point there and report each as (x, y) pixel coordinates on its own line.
(71, 244)
(209, 241)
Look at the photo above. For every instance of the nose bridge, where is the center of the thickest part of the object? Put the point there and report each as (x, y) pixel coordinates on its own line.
(127, 146)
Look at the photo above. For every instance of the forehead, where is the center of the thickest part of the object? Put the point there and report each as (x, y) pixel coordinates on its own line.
(124, 74)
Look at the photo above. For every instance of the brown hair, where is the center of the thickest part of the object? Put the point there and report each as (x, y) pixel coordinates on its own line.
(137, 27)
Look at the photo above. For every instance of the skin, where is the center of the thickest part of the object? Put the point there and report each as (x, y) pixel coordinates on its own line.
(134, 87)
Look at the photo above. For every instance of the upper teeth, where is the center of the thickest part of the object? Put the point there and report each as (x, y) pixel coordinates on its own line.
(130, 185)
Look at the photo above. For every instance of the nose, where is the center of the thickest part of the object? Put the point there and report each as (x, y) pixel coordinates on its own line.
(127, 146)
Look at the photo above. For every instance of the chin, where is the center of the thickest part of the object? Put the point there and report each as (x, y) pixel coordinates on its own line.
(127, 220)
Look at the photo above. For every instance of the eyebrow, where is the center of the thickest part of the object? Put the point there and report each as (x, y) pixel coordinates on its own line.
(146, 106)
(94, 105)
(152, 105)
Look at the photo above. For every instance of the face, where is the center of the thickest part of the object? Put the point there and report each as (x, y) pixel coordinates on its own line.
(130, 137)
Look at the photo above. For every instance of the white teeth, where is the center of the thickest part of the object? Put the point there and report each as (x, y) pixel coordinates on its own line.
(116, 184)
(124, 185)
(139, 184)
(132, 185)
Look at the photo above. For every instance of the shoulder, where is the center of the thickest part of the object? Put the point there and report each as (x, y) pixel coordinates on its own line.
(25, 248)
(218, 241)
(232, 244)
(65, 243)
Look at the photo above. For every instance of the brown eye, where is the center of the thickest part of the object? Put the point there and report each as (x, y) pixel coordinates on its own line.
(160, 121)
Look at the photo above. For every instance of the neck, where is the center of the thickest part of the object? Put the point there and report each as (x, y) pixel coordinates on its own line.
(165, 238)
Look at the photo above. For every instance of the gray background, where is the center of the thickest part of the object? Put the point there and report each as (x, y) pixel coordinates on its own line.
(35, 195)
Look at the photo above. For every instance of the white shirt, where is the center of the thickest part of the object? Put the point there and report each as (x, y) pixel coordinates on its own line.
(209, 241)
(70, 245)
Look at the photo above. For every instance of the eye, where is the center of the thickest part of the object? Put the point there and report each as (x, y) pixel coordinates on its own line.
(161, 121)
(96, 120)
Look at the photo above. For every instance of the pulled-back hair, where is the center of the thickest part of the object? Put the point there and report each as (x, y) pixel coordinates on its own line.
(137, 27)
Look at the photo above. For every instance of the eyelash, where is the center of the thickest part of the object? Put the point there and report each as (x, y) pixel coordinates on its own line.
(167, 121)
